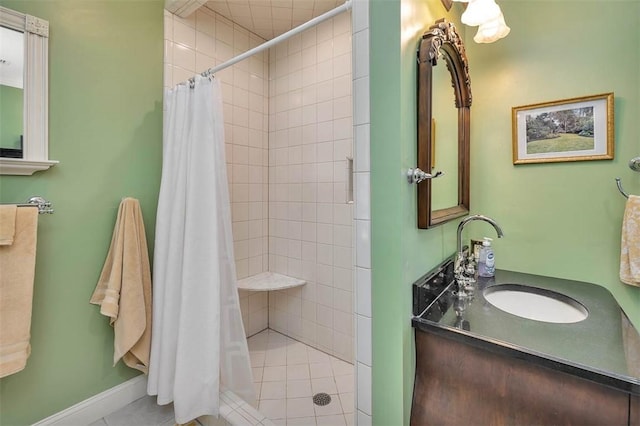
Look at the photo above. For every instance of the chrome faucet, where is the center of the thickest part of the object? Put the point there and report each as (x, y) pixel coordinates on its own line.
(464, 268)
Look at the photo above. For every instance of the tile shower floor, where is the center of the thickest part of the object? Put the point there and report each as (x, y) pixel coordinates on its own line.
(286, 375)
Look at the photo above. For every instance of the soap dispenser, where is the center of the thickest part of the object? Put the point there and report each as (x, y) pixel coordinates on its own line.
(487, 261)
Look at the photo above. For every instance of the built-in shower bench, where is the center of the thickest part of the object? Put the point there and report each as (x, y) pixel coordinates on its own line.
(268, 281)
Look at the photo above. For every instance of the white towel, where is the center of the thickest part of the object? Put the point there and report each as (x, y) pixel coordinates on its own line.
(630, 243)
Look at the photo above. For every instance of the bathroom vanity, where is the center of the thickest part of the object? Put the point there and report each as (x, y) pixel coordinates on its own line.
(477, 364)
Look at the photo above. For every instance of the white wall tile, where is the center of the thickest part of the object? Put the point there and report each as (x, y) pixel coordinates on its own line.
(324, 131)
(342, 24)
(184, 57)
(324, 30)
(363, 291)
(342, 65)
(205, 22)
(363, 399)
(362, 196)
(205, 44)
(342, 44)
(361, 54)
(324, 70)
(224, 30)
(342, 278)
(360, 15)
(363, 419)
(361, 161)
(363, 351)
(184, 35)
(361, 98)
(363, 243)
(224, 51)
(343, 322)
(303, 228)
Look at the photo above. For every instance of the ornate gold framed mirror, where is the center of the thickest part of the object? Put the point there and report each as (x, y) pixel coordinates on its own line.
(442, 41)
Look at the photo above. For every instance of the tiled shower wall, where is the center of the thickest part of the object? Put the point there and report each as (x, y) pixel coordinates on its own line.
(362, 214)
(192, 45)
(288, 135)
(310, 196)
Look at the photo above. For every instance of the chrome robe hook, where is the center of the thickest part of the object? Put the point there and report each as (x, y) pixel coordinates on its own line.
(416, 175)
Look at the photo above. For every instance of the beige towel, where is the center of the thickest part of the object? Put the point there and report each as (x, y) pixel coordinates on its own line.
(17, 270)
(124, 288)
(630, 245)
(7, 224)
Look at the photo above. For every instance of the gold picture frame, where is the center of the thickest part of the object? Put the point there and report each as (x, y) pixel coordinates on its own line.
(576, 129)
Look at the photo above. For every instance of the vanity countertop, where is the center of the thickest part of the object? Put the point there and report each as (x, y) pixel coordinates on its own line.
(604, 348)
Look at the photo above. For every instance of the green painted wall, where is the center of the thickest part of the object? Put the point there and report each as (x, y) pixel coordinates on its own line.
(10, 116)
(105, 127)
(400, 252)
(561, 219)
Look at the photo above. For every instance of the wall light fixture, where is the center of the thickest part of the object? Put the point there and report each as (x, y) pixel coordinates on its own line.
(487, 16)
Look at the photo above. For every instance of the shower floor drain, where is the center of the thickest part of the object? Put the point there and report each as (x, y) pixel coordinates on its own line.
(321, 398)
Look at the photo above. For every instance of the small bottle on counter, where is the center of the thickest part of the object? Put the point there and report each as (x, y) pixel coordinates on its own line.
(476, 245)
(487, 261)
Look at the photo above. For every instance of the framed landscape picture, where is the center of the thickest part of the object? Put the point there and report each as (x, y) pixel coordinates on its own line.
(576, 129)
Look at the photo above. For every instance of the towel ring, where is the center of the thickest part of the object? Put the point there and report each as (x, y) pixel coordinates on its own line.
(634, 164)
(619, 184)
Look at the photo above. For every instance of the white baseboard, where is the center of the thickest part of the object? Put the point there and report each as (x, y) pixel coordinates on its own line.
(98, 406)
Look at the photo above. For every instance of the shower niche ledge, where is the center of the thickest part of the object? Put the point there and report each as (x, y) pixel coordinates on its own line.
(268, 281)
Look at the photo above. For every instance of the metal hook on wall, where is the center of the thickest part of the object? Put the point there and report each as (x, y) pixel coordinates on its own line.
(416, 175)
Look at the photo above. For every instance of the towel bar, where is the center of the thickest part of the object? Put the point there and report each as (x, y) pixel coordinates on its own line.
(43, 205)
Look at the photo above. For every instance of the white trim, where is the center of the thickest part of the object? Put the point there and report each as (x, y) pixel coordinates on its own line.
(36, 93)
(19, 166)
(100, 405)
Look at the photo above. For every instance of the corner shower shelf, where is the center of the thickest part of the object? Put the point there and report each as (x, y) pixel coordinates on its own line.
(268, 281)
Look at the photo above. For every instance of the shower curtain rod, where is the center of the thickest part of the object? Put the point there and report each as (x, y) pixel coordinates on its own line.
(266, 45)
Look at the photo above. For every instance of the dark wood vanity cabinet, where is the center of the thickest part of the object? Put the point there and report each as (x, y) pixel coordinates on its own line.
(460, 384)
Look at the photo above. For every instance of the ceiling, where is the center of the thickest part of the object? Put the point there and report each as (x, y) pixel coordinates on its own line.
(270, 18)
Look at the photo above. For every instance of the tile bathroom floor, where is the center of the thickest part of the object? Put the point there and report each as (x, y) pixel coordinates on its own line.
(286, 375)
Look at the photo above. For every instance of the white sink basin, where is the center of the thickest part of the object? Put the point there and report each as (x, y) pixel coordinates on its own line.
(535, 304)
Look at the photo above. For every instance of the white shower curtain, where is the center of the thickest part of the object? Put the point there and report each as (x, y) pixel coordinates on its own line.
(198, 342)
